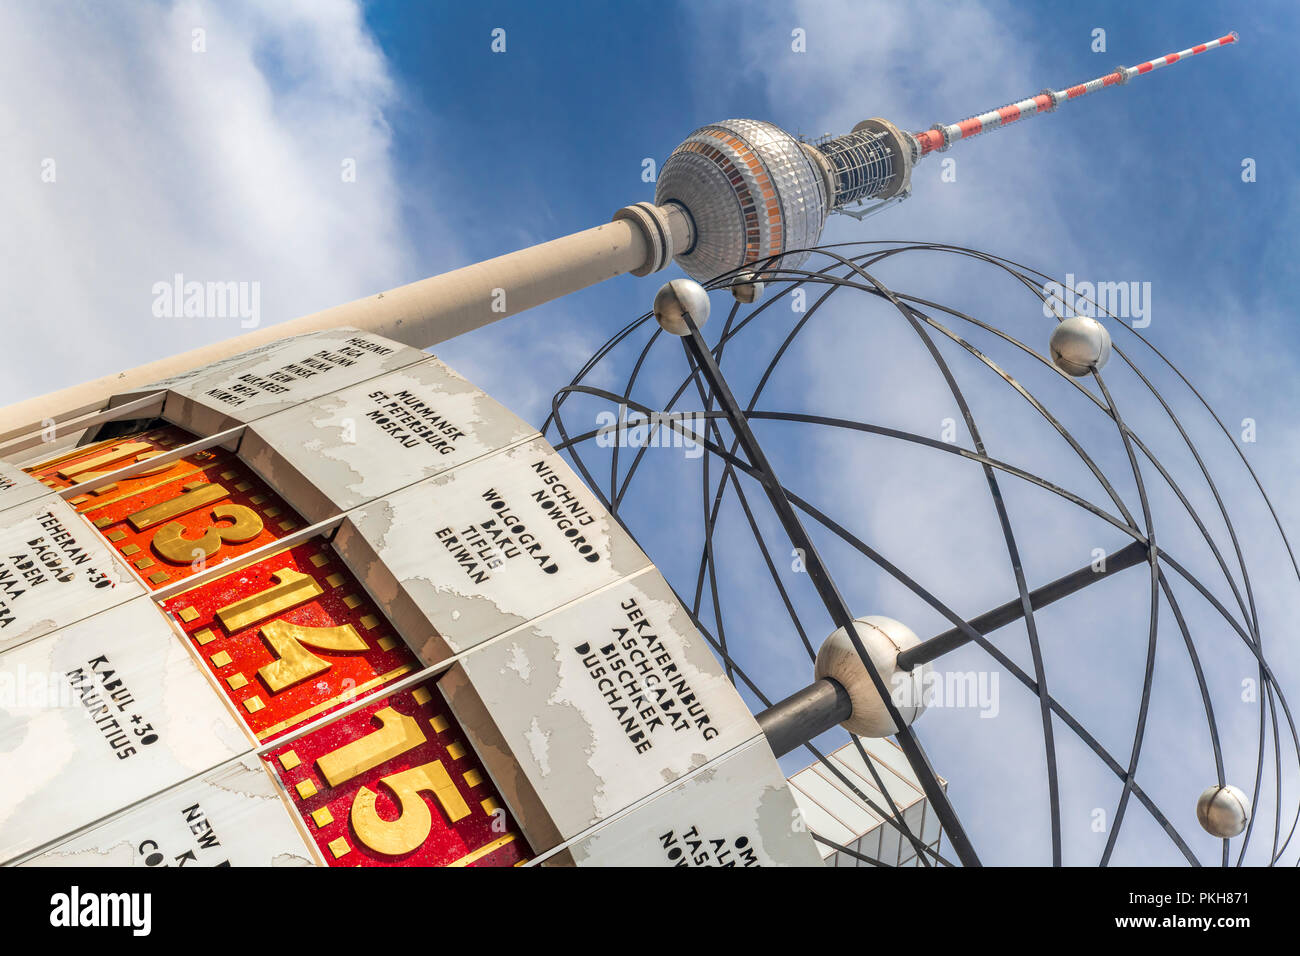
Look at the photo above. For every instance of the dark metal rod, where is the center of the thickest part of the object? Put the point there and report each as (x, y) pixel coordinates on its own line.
(950, 640)
(836, 606)
(804, 715)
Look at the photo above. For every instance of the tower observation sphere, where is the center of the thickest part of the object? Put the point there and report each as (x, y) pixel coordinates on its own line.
(756, 193)
(753, 191)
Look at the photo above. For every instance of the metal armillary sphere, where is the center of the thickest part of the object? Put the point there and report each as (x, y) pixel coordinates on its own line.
(733, 462)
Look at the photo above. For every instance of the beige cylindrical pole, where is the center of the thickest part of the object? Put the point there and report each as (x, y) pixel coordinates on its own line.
(641, 239)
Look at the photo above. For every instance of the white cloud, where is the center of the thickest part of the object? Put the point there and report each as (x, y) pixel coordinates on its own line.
(223, 165)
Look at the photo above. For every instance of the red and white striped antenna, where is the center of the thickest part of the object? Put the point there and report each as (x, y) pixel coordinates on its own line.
(940, 137)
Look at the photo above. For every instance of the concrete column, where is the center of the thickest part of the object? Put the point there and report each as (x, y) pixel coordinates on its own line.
(642, 238)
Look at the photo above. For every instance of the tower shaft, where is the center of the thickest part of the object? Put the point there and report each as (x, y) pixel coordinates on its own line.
(641, 239)
(735, 193)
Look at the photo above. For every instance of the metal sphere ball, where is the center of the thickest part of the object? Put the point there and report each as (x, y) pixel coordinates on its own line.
(1223, 811)
(676, 298)
(752, 191)
(1079, 344)
(746, 288)
(884, 638)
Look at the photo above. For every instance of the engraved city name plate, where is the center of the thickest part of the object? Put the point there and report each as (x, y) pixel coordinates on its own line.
(98, 715)
(54, 570)
(395, 784)
(488, 546)
(737, 812)
(584, 712)
(265, 382)
(212, 368)
(291, 637)
(233, 816)
(349, 447)
(17, 487)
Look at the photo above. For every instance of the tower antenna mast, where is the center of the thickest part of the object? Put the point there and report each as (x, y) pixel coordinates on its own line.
(941, 136)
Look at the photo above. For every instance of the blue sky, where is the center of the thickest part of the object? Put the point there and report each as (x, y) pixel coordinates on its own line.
(549, 137)
(1138, 184)
(225, 166)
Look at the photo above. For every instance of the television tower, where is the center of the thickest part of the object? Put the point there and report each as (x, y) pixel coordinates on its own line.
(733, 193)
(754, 191)
(279, 502)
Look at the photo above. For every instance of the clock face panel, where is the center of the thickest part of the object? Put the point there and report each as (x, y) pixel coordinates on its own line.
(365, 624)
(86, 464)
(395, 784)
(291, 637)
(203, 513)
